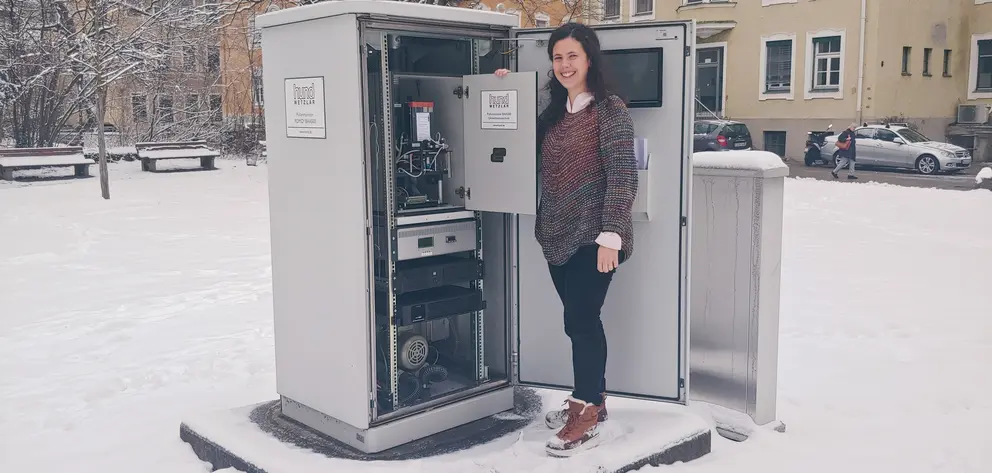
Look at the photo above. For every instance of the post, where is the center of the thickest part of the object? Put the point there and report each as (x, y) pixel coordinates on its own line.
(101, 97)
(736, 256)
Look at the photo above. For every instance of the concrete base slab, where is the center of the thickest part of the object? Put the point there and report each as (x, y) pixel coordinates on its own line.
(256, 439)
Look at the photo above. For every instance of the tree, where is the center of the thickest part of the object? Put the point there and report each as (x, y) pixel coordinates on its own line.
(39, 94)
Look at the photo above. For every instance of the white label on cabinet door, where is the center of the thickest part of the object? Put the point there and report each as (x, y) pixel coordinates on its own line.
(499, 109)
(305, 108)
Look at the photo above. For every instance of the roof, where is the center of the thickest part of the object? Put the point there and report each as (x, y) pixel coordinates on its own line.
(716, 120)
(890, 126)
(386, 8)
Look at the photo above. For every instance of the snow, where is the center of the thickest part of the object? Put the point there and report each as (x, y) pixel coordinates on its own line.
(634, 431)
(114, 150)
(750, 160)
(177, 153)
(17, 161)
(120, 318)
(985, 173)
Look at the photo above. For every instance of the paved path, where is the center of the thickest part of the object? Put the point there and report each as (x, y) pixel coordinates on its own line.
(963, 181)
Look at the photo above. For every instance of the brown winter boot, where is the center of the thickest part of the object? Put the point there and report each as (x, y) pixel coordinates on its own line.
(580, 432)
(557, 419)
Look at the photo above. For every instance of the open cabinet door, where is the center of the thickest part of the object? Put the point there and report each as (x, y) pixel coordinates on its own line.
(501, 143)
(646, 311)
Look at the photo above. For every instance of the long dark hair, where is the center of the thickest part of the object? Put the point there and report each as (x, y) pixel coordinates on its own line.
(596, 79)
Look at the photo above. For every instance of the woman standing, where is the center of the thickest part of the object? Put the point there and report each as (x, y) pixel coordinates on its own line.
(588, 185)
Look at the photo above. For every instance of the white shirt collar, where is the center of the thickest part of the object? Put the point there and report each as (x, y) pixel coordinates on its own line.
(581, 102)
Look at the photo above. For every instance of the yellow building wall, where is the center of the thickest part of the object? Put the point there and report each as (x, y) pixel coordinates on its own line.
(936, 25)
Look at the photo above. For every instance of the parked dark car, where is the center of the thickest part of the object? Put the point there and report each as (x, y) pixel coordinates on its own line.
(720, 135)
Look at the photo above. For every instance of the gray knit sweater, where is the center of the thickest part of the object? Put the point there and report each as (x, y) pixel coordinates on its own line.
(588, 180)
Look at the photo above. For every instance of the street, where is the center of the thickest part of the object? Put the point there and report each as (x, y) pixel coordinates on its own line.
(962, 181)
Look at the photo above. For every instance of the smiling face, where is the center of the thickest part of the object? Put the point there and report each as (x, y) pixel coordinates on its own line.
(571, 64)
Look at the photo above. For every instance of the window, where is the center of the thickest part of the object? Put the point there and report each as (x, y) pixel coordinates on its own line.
(947, 63)
(164, 109)
(885, 135)
(775, 142)
(826, 63)
(257, 89)
(778, 66)
(139, 107)
(907, 53)
(697, 2)
(865, 133)
(983, 75)
(704, 128)
(254, 35)
(980, 67)
(611, 9)
(213, 59)
(192, 106)
(927, 52)
(215, 108)
(189, 58)
(910, 135)
(643, 7)
(542, 20)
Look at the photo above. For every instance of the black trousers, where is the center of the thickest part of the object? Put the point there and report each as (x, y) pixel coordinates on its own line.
(582, 289)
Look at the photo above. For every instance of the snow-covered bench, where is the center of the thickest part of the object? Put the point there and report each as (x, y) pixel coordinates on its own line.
(20, 159)
(150, 153)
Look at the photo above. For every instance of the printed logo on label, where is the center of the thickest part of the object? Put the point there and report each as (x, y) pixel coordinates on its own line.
(304, 95)
(499, 101)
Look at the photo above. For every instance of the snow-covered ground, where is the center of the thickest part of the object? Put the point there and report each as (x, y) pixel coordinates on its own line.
(118, 318)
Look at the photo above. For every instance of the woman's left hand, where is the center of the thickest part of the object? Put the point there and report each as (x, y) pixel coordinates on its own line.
(607, 260)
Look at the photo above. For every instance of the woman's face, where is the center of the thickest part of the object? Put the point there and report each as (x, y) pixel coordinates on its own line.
(570, 63)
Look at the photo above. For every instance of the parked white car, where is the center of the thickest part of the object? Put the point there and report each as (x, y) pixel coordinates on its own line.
(896, 146)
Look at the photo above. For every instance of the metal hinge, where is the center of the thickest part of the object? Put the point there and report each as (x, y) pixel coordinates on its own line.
(688, 51)
(461, 92)
(464, 192)
(681, 383)
(685, 221)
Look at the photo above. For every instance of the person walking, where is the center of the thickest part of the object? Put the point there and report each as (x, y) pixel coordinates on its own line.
(846, 152)
(588, 186)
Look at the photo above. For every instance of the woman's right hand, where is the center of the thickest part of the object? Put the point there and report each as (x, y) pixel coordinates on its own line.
(502, 72)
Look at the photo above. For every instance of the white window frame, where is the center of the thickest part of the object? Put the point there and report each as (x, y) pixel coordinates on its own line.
(973, 68)
(647, 16)
(768, 3)
(809, 93)
(541, 16)
(763, 76)
(979, 2)
(707, 2)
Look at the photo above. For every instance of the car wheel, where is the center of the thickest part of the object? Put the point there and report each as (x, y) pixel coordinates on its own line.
(927, 164)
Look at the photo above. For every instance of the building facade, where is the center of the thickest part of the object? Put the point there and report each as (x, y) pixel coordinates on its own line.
(785, 67)
(179, 95)
(241, 52)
